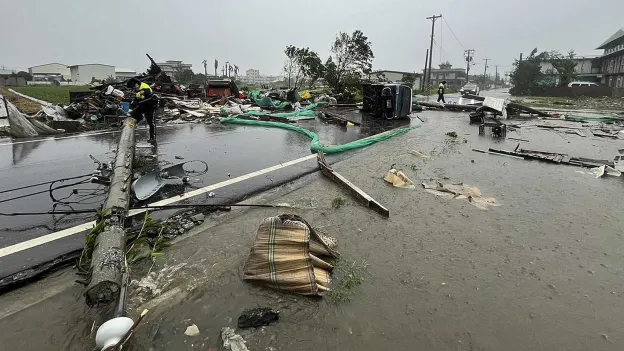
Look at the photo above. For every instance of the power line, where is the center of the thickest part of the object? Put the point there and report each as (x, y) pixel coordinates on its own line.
(449, 27)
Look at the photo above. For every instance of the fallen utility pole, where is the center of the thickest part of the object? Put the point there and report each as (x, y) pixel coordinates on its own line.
(354, 190)
(108, 259)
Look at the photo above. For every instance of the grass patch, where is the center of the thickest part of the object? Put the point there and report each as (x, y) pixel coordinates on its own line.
(55, 95)
(346, 279)
(24, 105)
(338, 202)
(451, 134)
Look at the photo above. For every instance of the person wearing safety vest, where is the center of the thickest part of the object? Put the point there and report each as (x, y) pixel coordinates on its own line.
(441, 89)
(146, 104)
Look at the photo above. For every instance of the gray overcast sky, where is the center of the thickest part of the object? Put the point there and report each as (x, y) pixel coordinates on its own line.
(254, 33)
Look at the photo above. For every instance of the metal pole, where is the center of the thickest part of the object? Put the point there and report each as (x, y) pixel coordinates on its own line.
(485, 72)
(108, 259)
(433, 19)
(423, 83)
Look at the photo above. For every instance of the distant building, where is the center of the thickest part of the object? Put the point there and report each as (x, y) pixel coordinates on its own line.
(123, 74)
(454, 77)
(252, 76)
(6, 72)
(84, 74)
(45, 71)
(12, 81)
(612, 67)
(397, 77)
(587, 69)
(173, 67)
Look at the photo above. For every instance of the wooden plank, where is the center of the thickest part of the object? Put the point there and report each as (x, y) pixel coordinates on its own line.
(339, 117)
(358, 193)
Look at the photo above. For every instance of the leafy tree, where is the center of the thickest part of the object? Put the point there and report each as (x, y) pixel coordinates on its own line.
(110, 80)
(27, 76)
(445, 65)
(565, 65)
(199, 78)
(352, 57)
(409, 79)
(184, 76)
(301, 65)
(527, 73)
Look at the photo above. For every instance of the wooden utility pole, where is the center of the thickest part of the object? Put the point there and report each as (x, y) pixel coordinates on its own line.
(495, 76)
(469, 58)
(485, 80)
(433, 19)
(423, 83)
(108, 262)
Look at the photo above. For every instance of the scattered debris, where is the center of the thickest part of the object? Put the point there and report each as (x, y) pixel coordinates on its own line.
(419, 154)
(451, 134)
(605, 170)
(148, 184)
(232, 341)
(461, 192)
(398, 179)
(191, 330)
(257, 317)
(285, 256)
(553, 157)
(496, 153)
(354, 190)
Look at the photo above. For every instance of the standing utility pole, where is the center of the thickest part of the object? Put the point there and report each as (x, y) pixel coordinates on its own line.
(422, 83)
(469, 58)
(485, 73)
(495, 76)
(433, 19)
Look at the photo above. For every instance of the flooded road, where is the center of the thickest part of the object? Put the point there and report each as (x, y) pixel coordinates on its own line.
(539, 272)
(230, 151)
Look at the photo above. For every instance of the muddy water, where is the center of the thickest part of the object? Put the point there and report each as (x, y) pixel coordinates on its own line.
(540, 272)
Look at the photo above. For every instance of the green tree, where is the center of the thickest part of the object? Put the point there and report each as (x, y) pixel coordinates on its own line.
(445, 65)
(302, 65)
(409, 79)
(352, 57)
(27, 76)
(184, 76)
(565, 65)
(199, 78)
(526, 73)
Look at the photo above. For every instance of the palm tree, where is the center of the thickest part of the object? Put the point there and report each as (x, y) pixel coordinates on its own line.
(235, 69)
(216, 65)
(231, 69)
(227, 68)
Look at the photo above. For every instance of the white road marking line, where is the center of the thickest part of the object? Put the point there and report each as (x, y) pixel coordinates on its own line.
(25, 245)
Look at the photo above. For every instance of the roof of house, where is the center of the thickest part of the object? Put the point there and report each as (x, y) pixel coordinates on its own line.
(618, 35)
(6, 71)
(91, 64)
(399, 72)
(124, 70)
(47, 64)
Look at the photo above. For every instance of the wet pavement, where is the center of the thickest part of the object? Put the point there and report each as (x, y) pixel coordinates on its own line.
(230, 151)
(540, 272)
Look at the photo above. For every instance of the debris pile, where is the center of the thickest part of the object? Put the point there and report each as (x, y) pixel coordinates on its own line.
(460, 192)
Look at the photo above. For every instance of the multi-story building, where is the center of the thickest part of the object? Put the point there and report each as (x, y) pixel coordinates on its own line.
(587, 69)
(612, 67)
(172, 67)
(252, 76)
(454, 77)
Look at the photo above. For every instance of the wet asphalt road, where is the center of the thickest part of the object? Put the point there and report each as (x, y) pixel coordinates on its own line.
(230, 151)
